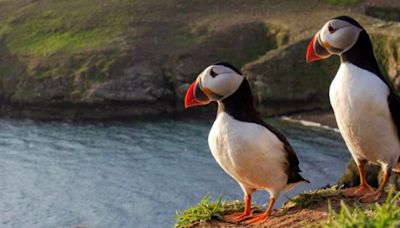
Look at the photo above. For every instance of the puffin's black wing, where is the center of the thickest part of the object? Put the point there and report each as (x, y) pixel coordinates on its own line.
(293, 169)
(394, 107)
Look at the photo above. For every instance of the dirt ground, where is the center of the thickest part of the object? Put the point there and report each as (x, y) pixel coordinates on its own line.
(316, 213)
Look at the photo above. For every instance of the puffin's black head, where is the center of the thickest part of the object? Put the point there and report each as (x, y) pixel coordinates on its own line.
(214, 83)
(336, 37)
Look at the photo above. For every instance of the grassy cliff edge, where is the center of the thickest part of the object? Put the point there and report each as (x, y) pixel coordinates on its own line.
(319, 208)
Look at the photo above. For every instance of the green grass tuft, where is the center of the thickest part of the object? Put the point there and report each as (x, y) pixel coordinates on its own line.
(207, 210)
(376, 215)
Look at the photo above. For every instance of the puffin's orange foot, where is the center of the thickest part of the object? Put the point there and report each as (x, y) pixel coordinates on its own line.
(371, 197)
(358, 191)
(237, 217)
(257, 219)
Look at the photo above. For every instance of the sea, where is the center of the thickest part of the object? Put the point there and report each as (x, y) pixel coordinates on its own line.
(132, 174)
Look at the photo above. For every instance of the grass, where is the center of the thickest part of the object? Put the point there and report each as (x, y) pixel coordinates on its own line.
(342, 2)
(388, 14)
(207, 210)
(384, 215)
(64, 40)
(304, 200)
(378, 215)
(46, 27)
(41, 44)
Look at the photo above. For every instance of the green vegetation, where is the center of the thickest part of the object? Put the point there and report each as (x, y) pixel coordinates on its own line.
(388, 14)
(343, 2)
(378, 215)
(207, 210)
(204, 211)
(387, 51)
(46, 27)
(374, 216)
(78, 52)
(304, 200)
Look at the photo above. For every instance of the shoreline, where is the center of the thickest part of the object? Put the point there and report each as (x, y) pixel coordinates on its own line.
(320, 119)
(324, 119)
(127, 113)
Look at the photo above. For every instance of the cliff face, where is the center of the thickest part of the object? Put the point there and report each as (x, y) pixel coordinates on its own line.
(123, 58)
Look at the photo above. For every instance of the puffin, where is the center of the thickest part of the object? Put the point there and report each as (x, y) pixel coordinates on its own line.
(366, 107)
(252, 152)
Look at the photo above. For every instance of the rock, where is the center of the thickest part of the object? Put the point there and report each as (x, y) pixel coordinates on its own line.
(351, 176)
(141, 63)
(237, 44)
(387, 51)
(282, 82)
(142, 82)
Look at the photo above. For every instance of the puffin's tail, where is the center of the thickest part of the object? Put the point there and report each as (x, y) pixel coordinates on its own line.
(294, 179)
(294, 176)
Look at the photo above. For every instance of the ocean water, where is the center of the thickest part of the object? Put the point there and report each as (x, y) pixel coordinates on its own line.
(137, 174)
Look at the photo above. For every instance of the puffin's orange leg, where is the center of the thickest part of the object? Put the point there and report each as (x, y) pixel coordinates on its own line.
(363, 188)
(258, 219)
(376, 195)
(240, 216)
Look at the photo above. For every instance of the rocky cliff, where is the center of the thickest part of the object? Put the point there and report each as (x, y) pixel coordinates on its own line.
(122, 58)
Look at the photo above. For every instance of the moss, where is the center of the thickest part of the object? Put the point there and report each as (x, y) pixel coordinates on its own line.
(48, 43)
(386, 50)
(384, 13)
(351, 176)
(64, 48)
(306, 199)
(282, 80)
(46, 27)
(342, 2)
(242, 43)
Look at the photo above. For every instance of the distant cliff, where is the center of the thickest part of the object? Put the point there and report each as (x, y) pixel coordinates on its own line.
(122, 58)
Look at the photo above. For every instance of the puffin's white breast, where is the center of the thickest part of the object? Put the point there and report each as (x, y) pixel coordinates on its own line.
(359, 100)
(249, 153)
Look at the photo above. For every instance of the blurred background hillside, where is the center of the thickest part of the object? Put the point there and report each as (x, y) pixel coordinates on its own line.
(125, 58)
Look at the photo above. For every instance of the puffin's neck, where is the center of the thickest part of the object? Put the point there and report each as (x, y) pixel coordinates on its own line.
(362, 55)
(239, 105)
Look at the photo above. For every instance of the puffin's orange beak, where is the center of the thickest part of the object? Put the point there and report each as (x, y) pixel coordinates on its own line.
(195, 96)
(316, 51)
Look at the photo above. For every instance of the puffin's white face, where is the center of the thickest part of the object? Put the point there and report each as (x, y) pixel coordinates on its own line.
(338, 36)
(335, 37)
(215, 83)
(219, 80)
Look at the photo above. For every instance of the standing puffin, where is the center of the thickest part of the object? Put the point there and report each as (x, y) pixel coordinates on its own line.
(252, 152)
(366, 107)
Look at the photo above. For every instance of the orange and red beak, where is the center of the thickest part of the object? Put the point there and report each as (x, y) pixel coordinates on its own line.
(316, 51)
(195, 96)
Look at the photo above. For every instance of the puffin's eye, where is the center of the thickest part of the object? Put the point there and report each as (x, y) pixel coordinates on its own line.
(213, 74)
(331, 29)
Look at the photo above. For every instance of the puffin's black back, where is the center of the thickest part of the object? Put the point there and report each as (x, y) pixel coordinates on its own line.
(226, 64)
(241, 107)
(362, 55)
(350, 20)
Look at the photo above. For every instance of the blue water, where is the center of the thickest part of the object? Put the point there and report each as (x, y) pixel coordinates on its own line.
(60, 174)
